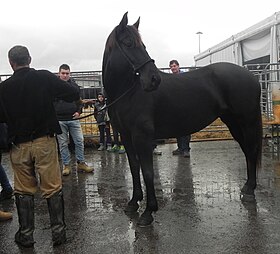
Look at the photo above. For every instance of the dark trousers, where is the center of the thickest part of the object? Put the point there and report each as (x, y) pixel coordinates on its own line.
(183, 143)
(116, 136)
(105, 129)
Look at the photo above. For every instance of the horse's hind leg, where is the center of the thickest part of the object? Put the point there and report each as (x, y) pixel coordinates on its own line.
(253, 151)
(249, 136)
(134, 164)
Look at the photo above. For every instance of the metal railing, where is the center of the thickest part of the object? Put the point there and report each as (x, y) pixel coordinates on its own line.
(268, 76)
(91, 83)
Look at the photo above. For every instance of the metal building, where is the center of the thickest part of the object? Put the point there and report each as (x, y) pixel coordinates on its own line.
(257, 44)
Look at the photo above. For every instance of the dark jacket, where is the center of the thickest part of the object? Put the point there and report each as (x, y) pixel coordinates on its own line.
(27, 103)
(65, 110)
(99, 114)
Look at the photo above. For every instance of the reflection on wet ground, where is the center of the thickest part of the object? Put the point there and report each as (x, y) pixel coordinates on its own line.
(199, 206)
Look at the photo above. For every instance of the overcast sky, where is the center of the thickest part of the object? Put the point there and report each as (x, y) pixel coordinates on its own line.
(75, 31)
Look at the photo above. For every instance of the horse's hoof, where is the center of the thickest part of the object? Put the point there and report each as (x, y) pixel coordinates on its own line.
(133, 216)
(247, 197)
(131, 208)
(145, 220)
(247, 194)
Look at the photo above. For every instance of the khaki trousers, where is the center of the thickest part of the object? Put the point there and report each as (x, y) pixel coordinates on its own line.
(35, 164)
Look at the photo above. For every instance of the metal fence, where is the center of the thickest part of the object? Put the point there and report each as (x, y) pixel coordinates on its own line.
(90, 83)
(268, 76)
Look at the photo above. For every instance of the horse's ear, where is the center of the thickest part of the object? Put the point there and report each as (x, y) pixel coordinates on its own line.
(124, 21)
(136, 24)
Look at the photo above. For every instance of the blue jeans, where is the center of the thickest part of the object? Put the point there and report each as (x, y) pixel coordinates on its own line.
(74, 128)
(4, 181)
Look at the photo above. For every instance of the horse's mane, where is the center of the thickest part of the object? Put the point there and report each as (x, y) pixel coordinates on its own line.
(111, 41)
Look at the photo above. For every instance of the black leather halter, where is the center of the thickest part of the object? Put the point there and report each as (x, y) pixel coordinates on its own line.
(134, 67)
(136, 73)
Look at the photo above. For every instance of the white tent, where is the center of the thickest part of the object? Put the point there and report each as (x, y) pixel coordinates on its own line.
(258, 44)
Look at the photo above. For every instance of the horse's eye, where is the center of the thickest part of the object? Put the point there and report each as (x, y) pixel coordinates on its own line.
(128, 42)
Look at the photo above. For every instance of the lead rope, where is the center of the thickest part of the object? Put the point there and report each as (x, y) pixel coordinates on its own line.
(109, 105)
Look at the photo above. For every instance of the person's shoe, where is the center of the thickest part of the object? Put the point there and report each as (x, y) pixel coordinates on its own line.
(114, 149)
(121, 150)
(101, 147)
(23, 241)
(186, 154)
(5, 216)
(157, 152)
(176, 152)
(6, 194)
(66, 170)
(82, 166)
(109, 148)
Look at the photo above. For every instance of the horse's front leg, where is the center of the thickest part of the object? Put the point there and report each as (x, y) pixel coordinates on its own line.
(144, 151)
(134, 164)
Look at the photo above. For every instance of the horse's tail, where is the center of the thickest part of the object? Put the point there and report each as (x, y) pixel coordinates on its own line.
(259, 138)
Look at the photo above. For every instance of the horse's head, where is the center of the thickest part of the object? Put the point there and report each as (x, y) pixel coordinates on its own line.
(126, 58)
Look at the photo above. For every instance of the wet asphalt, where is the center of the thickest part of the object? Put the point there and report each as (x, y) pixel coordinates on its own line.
(199, 206)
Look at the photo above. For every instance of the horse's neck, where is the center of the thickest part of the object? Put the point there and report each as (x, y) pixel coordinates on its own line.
(117, 87)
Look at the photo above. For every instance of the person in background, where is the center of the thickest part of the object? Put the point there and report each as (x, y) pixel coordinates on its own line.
(6, 193)
(7, 190)
(156, 151)
(5, 215)
(183, 142)
(27, 108)
(118, 146)
(103, 122)
(66, 113)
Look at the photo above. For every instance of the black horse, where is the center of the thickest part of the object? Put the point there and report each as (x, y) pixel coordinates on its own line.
(147, 104)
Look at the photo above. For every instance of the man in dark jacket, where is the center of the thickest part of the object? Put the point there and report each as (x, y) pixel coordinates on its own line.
(66, 113)
(183, 142)
(27, 107)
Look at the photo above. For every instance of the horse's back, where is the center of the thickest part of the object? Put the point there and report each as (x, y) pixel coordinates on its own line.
(194, 99)
(223, 83)
(234, 75)
(240, 87)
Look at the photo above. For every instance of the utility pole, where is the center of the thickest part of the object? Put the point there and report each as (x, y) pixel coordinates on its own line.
(199, 33)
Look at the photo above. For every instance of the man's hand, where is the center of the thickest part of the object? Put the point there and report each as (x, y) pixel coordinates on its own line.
(76, 115)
